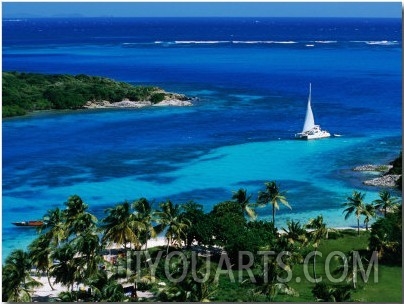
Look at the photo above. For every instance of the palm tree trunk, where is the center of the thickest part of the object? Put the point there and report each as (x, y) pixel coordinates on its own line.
(49, 282)
(273, 214)
(135, 290)
(358, 226)
(314, 266)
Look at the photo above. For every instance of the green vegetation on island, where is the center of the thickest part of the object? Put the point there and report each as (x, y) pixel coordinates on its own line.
(223, 255)
(27, 92)
(398, 169)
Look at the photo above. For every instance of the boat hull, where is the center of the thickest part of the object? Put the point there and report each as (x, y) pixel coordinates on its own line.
(315, 133)
(313, 136)
(29, 224)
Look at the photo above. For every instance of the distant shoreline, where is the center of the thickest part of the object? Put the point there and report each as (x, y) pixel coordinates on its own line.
(126, 103)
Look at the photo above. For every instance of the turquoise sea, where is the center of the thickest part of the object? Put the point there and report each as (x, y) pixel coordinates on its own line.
(251, 78)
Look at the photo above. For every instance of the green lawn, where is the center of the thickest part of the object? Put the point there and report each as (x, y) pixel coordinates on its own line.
(387, 289)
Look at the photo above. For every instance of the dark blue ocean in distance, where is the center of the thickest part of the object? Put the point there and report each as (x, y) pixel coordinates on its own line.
(251, 78)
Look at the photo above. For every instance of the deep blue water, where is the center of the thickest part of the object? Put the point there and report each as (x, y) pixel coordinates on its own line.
(251, 77)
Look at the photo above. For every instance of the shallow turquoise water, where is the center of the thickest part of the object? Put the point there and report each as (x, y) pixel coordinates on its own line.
(316, 175)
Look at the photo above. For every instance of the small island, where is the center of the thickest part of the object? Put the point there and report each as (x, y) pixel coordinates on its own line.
(28, 92)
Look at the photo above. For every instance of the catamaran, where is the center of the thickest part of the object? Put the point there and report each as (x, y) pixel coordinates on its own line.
(310, 129)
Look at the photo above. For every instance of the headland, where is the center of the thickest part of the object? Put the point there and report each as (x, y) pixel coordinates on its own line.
(28, 92)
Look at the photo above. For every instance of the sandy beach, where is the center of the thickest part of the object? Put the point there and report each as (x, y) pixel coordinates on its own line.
(158, 241)
(45, 293)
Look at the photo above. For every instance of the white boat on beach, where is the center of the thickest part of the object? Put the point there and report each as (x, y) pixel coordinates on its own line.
(310, 129)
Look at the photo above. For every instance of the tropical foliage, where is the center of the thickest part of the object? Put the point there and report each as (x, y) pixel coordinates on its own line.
(385, 202)
(318, 231)
(120, 226)
(169, 218)
(355, 205)
(386, 237)
(397, 169)
(17, 282)
(243, 199)
(144, 216)
(326, 293)
(369, 212)
(272, 196)
(73, 249)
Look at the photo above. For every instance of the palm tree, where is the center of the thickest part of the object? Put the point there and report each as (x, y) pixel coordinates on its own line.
(67, 296)
(350, 266)
(368, 212)
(385, 202)
(53, 234)
(65, 271)
(169, 217)
(272, 196)
(77, 219)
(354, 205)
(83, 222)
(243, 200)
(319, 231)
(335, 293)
(17, 282)
(54, 227)
(113, 292)
(268, 283)
(105, 288)
(39, 253)
(193, 212)
(120, 226)
(87, 246)
(295, 233)
(97, 282)
(144, 213)
(198, 285)
(74, 207)
(294, 249)
(138, 276)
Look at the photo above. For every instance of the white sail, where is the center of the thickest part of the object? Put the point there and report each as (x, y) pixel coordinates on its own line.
(309, 120)
(311, 130)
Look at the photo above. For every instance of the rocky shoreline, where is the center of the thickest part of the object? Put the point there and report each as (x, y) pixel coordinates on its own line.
(103, 104)
(379, 168)
(171, 99)
(386, 180)
(383, 181)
